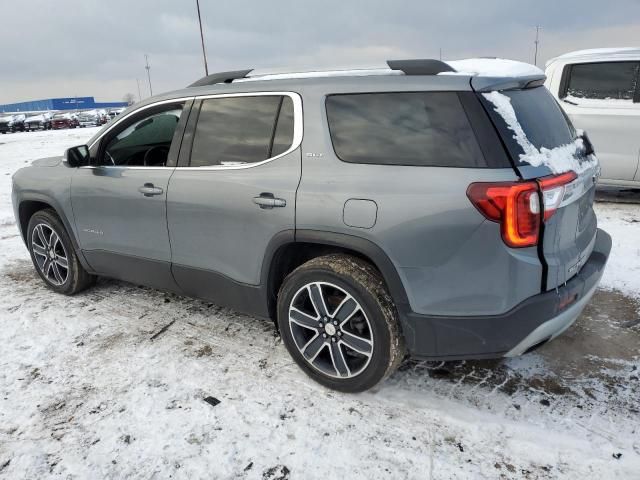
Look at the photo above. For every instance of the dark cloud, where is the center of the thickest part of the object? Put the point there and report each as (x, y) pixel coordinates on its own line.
(69, 47)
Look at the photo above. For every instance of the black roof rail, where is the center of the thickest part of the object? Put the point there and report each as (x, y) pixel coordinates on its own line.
(420, 66)
(221, 77)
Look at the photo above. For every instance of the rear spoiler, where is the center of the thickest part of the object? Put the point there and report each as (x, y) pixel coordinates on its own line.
(489, 84)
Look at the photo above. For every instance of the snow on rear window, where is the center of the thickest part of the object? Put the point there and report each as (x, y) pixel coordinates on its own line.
(559, 158)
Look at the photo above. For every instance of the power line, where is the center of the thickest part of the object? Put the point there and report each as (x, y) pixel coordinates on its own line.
(147, 67)
(204, 53)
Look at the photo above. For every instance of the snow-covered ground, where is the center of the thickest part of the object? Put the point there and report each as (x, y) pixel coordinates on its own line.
(88, 391)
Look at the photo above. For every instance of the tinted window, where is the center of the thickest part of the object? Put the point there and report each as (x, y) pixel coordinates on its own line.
(612, 80)
(539, 115)
(237, 130)
(416, 128)
(145, 142)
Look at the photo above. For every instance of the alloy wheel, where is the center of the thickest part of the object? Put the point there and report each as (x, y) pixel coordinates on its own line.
(331, 330)
(50, 254)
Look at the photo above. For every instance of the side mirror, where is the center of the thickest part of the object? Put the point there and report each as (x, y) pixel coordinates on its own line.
(588, 146)
(77, 156)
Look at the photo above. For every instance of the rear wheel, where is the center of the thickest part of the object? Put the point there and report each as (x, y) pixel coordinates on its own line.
(53, 255)
(339, 323)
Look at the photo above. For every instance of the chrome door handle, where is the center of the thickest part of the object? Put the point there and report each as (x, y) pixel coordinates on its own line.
(149, 190)
(267, 200)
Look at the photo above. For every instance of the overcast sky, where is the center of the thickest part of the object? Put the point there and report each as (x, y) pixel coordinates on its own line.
(96, 47)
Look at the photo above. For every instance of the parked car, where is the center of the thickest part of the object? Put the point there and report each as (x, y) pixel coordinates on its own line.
(397, 213)
(12, 123)
(64, 120)
(114, 112)
(103, 117)
(41, 121)
(5, 123)
(600, 91)
(89, 118)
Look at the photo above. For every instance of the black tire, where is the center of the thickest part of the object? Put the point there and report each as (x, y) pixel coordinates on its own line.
(345, 277)
(51, 272)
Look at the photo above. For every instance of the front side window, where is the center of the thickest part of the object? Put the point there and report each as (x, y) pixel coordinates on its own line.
(146, 142)
(412, 128)
(603, 81)
(242, 130)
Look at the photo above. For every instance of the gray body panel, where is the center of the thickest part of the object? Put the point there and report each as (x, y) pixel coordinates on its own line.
(205, 236)
(215, 225)
(428, 227)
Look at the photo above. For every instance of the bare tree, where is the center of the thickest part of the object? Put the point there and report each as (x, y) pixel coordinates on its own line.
(129, 98)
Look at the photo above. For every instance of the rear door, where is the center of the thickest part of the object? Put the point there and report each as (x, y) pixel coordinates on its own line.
(233, 192)
(603, 99)
(544, 144)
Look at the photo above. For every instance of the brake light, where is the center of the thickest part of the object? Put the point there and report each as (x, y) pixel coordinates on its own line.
(514, 205)
(553, 191)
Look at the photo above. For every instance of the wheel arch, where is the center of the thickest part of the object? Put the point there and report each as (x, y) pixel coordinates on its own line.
(286, 252)
(29, 205)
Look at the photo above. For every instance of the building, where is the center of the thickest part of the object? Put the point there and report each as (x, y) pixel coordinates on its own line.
(72, 103)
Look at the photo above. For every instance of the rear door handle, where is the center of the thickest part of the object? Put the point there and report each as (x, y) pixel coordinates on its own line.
(149, 190)
(267, 200)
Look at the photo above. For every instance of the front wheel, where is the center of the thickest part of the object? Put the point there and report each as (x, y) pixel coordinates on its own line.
(339, 323)
(53, 255)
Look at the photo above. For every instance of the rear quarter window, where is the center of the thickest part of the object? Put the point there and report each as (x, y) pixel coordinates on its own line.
(404, 128)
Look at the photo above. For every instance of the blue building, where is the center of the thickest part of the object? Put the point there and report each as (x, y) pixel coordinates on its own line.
(71, 103)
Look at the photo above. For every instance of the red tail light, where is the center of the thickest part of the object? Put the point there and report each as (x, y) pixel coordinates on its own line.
(514, 205)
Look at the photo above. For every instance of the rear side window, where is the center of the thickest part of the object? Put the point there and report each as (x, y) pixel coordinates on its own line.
(603, 81)
(412, 128)
(241, 130)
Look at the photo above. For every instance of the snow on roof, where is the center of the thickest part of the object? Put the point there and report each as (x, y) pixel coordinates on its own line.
(492, 67)
(600, 52)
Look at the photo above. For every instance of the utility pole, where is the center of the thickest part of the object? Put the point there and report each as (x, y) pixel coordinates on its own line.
(535, 55)
(147, 67)
(204, 53)
(139, 96)
(441, 54)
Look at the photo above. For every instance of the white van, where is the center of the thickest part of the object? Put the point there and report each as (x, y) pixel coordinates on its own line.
(600, 91)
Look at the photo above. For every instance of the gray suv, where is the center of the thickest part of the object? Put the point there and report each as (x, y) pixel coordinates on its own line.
(411, 209)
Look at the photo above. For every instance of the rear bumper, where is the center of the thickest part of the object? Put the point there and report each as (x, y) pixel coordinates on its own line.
(537, 319)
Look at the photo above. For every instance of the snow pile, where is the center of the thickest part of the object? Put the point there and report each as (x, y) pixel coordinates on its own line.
(622, 222)
(492, 67)
(560, 159)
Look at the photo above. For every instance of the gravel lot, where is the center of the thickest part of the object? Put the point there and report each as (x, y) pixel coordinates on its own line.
(94, 386)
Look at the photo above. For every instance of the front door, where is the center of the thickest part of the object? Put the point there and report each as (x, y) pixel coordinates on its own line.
(235, 194)
(119, 202)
